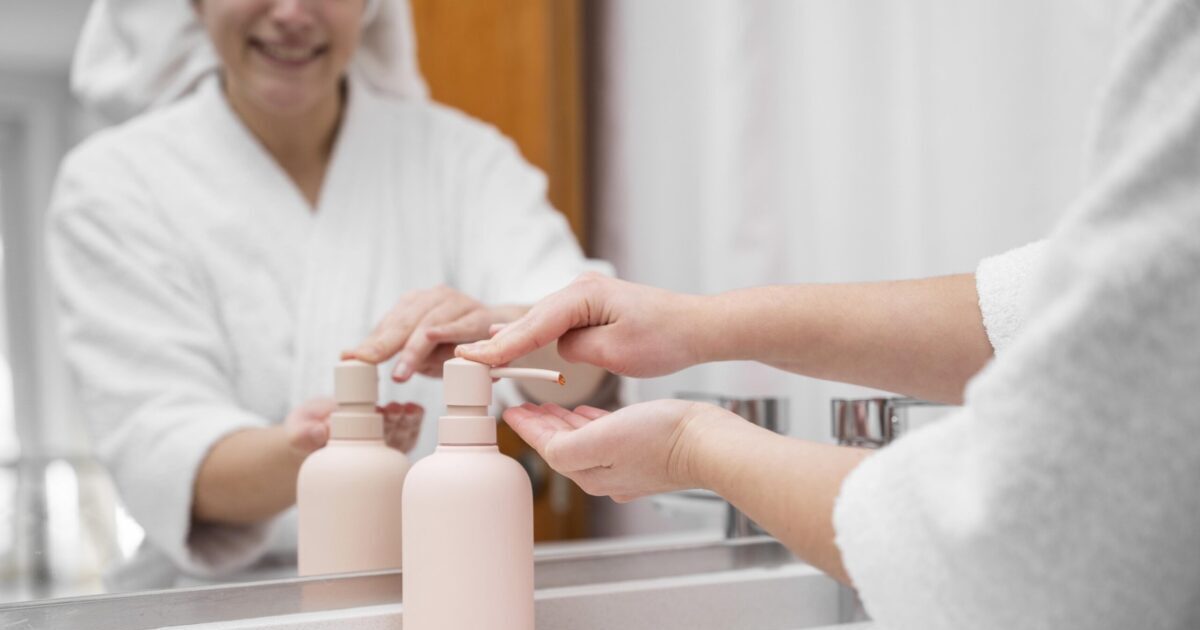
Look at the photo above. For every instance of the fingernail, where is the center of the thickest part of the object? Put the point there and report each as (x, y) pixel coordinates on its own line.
(400, 371)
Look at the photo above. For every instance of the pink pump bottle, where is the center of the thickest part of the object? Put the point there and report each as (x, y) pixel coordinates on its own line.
(468, 517)
(348, 494)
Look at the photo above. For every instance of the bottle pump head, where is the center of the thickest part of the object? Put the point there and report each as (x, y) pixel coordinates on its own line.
(355, 389)
(468, 394)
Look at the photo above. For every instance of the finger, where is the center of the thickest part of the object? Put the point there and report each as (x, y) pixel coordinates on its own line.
(436, 360)
(418, 346)
(576, 421)
(391, 412)
(470, 327)
(533, 426)
(406, 431)
(383, 342)
(308, 437)
(591, 413)
(394, 411)
(318, 408)
(545, 322)
(495, 328)
(402, 423)
(393, 332)
(565, 448)
(555, 421)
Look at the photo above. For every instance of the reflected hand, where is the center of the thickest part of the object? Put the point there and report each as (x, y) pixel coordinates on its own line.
(307, 426)
(422, 329)
(626, 328)
(402, 424)
(640, 450)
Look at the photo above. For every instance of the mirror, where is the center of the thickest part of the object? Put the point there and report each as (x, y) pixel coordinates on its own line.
(699, 148)
(73, 520)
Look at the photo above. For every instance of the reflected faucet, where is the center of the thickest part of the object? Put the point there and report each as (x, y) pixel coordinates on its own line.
(872, 422)
(769, 413)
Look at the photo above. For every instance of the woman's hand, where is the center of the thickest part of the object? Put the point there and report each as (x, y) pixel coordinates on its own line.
(307, 426)
(786, 485)
(402, 424)
(640, 450)
(422, 329)
(626, 328)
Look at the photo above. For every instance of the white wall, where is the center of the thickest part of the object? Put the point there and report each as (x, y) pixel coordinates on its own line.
(39, 34)
(776, 141)
(40, 121)
(745, 143)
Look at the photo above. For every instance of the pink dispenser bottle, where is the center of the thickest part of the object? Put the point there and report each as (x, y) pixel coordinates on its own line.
(468, 517)
(348, 494)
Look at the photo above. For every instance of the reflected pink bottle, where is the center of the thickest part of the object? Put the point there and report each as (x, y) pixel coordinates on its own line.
(348, 494)
(468, 517)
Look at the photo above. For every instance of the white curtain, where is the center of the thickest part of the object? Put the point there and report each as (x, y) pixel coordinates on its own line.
(776, 141)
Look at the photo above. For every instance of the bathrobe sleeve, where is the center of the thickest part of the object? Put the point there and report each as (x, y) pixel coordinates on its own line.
(511, 246)
(1003, 283)
(1063, 494)
(147, 353)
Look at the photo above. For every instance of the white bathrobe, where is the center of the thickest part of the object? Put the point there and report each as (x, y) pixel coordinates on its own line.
(1064, 494)
(201, 294)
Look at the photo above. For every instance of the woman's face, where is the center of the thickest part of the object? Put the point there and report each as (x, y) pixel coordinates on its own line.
(284, 56)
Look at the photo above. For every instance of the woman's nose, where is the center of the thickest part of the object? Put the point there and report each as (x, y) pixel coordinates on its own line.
(293, 14)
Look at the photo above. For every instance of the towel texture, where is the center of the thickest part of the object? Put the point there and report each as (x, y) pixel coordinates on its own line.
(135, 55)
(1003, 285)
(1063, 495)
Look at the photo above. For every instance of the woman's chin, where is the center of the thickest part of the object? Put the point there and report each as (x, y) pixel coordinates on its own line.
(290, 99)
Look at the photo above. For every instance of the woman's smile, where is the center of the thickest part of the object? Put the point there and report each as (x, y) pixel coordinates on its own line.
(288, 55)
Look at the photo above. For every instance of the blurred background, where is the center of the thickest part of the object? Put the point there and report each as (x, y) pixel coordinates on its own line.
(700, 145)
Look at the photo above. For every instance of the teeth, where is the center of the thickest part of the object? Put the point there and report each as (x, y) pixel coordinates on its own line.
(287, 53)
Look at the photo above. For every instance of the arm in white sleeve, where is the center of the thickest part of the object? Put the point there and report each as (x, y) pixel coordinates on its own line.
(1063, 494)
(148, 356)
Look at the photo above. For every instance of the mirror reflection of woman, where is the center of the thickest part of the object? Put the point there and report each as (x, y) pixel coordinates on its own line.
(282, 188)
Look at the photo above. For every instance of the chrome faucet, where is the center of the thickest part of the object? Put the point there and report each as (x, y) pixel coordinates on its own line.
(769, 413)
(872, 422)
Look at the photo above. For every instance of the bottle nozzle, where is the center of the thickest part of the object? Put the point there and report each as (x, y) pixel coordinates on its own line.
(468, 394)
(469, 384)
(542, 375)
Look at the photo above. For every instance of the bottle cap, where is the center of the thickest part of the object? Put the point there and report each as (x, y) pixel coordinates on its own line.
(468, 394)
(355, 383)
(355, 389)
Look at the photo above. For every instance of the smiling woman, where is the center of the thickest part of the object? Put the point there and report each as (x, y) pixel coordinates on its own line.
(283, 64)
(216, 254)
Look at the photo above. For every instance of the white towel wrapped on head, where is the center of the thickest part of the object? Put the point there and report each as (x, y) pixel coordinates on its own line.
(135, 55)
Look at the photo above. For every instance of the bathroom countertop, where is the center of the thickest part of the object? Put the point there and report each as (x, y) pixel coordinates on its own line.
(695, 581)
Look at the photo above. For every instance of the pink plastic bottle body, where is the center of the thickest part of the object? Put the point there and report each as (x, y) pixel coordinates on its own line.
(468, 542)
(348, 498)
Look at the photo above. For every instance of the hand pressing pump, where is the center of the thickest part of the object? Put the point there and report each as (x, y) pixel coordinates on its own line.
(468, 516)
